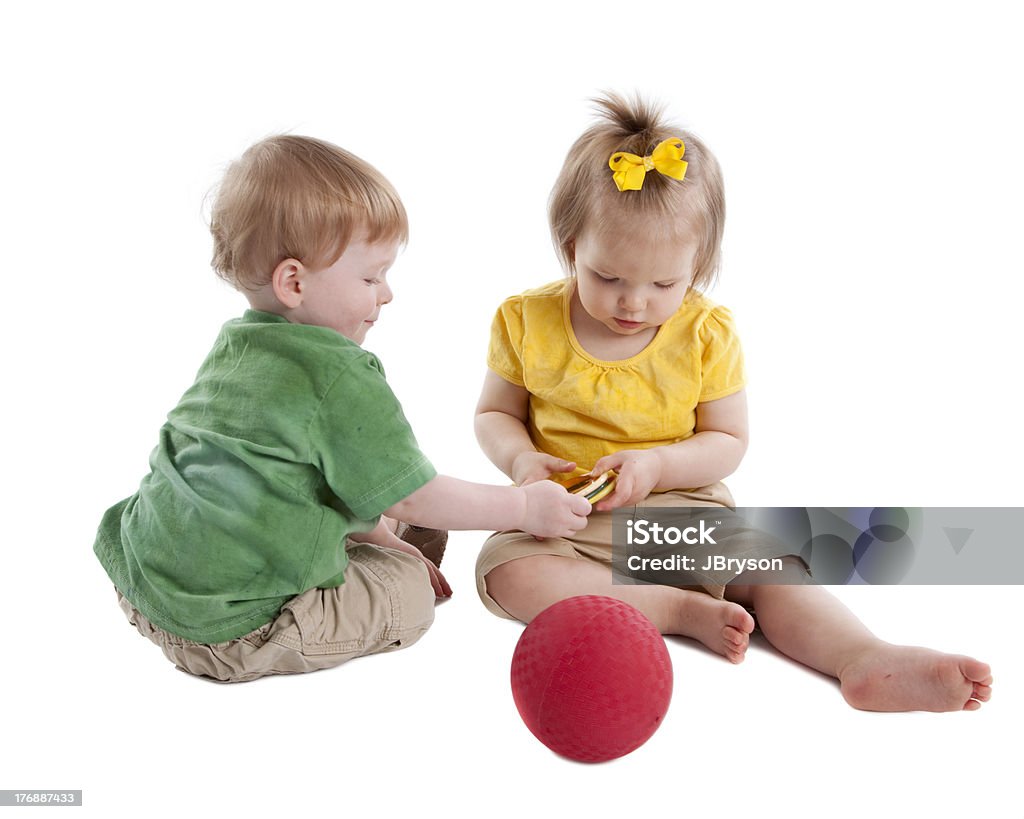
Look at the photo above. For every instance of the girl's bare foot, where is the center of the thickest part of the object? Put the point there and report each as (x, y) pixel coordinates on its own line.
(722, 626)
(885, 677)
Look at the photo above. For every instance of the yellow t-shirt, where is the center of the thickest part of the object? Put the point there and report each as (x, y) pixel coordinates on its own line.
(582, 408)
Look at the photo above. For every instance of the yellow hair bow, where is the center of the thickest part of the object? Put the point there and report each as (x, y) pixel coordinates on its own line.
(630, 169)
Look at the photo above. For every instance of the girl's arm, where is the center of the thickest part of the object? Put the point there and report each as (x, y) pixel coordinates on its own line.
(712, 453)
(501, 416)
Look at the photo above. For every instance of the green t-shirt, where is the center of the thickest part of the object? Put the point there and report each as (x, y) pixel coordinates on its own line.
(289, 441)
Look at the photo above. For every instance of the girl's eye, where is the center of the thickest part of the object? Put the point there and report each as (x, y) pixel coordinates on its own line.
(665, 285)
(605, 279)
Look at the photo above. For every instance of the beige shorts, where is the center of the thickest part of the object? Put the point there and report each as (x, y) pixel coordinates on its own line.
(385, 603)
(594, 543)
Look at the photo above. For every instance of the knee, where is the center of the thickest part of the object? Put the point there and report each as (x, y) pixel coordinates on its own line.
(795, 572)
(395, 588)
(506, 580)
(501, 579)
(419, 599)
(791, 571)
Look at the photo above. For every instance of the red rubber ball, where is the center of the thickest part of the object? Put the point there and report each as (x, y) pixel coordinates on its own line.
(592, 678)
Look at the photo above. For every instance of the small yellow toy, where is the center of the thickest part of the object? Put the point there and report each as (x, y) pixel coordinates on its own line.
(589, 487)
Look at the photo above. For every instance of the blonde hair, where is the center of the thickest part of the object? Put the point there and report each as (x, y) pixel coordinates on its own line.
(585, 196)
(301, 198)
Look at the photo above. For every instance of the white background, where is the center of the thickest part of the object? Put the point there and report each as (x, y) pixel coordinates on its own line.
(872, 259)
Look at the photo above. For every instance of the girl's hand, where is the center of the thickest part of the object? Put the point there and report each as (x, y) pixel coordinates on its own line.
(639, 473)
(530, 467)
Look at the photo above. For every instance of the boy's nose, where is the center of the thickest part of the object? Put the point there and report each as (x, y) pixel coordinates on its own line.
(384, 295)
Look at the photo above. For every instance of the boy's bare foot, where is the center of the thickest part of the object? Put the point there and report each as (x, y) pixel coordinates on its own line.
(722, 626)
(906, 678)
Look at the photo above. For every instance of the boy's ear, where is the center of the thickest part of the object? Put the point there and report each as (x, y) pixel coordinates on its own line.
(288, 281)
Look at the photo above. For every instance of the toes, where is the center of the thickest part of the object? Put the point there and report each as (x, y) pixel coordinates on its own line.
(735, 637)
(736, 643)
(739, 618)
(982, 693)
(975, 671)
(972, 705)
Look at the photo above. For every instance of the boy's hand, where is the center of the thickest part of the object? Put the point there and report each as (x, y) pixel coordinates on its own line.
(639, 473)
(553, 512)
(437, 580)
(383, 535)
(530, 467)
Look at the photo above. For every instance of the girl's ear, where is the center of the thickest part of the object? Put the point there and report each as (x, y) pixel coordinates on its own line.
(288, 282)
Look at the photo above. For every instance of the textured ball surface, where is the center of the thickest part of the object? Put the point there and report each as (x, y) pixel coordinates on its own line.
(592, 678)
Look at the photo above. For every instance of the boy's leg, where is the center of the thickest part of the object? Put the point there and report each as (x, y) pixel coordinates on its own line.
(385, 603)
(811, 626)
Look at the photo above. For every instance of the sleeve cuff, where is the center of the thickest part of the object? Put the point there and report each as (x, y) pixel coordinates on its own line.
(387, 494)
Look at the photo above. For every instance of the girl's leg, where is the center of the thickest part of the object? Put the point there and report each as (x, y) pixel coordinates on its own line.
(526, 586)
(811, 626)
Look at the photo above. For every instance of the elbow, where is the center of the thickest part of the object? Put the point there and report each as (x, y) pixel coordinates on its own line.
(730, 451)
(740, 444)
(400, 511)
(482, 424)
(478, 426)
(411, 508)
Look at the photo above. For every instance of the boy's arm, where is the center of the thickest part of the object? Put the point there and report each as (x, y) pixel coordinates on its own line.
(712, 453)
(543, 509)
(501, 416)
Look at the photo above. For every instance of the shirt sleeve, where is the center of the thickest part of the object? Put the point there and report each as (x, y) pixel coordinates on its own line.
(363, 443)
(505, 352)
(722, 370)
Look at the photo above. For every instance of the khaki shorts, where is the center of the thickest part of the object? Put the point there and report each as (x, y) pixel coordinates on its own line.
(385, 603)
(594, 543)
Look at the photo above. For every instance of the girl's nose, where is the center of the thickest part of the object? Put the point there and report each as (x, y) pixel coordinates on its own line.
(632, 301)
